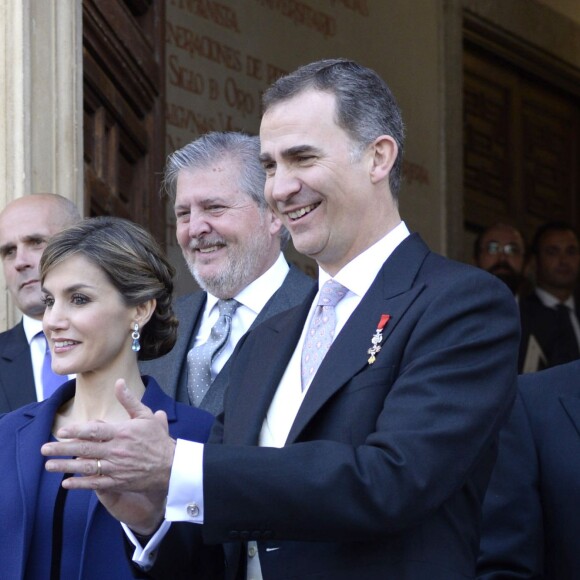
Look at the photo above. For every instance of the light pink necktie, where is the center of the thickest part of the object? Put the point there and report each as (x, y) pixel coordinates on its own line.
(321, 330)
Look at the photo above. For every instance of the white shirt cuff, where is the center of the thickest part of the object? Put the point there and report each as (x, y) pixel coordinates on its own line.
(145, 557)
(185, 495)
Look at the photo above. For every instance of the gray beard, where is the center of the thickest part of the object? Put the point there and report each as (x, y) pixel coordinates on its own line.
(241, 269)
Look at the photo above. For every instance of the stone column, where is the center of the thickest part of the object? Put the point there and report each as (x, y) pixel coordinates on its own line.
(41, 92)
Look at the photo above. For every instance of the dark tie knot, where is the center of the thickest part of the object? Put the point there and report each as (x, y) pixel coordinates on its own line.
(331, 293)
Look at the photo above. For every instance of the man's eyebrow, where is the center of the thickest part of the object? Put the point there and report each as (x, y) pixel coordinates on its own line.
(265, 157)
(34, 238)
(291, 152)
(29, 239)
(201, 202)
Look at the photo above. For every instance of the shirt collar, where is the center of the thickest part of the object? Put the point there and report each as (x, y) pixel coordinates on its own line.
(551, 301)
(360, 272)
(255, 295)
(31, 327)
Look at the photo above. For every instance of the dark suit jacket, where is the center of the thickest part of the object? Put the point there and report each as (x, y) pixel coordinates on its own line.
(532, 508)
(386, 464)
(16, 376)
(171, 369)
(22, 433)
(555, 337)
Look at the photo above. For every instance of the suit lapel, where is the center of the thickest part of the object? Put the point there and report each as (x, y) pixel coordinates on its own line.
(271, 349)
(16, 369)
(30, 463)
(572, 407)
(296, 285)
(171, 369)
(391, 293)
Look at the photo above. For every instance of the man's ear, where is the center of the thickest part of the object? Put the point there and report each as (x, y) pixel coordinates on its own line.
(274, 223)
(383, 155)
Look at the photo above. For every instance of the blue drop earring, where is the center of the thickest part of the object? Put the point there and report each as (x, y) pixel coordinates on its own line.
(135, 345)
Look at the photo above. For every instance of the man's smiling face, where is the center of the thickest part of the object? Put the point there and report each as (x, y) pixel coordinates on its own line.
(315, 183)
(226, 239)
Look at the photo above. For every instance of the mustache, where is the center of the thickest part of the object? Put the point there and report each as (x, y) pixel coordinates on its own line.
(203, 243)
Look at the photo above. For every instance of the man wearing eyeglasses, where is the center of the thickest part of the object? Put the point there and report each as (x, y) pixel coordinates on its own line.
(549, 315)
(500, 250)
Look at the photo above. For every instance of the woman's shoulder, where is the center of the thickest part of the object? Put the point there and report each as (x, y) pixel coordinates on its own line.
(191, 423)
(19, 416)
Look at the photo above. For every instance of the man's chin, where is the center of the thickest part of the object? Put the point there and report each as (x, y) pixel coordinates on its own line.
(31, 309)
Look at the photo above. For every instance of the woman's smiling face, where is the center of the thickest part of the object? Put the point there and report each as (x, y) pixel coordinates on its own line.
(86, 321)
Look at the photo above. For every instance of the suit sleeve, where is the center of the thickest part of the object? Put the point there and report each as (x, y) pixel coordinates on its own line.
(512, 543)
(397, 441)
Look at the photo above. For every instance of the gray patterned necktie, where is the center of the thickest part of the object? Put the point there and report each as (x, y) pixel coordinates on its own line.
(199, 358)
(321, 329)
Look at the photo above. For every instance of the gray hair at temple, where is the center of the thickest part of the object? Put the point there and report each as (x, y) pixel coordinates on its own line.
(236, 147)
(365, 106)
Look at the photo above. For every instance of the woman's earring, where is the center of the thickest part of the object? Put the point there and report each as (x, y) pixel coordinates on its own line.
(135, 345)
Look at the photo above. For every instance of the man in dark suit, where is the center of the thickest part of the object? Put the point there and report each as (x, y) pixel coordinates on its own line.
(26, 224)
(531, 514)
(549, 315)
(376, 464)
(232, 242)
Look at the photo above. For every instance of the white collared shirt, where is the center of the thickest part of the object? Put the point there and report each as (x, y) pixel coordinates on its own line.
(357, 276)
(252, 300)
(37, 345)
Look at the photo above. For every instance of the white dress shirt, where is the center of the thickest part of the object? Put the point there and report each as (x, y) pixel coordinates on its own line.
(185, 496)
(37, 346)
(252, 300)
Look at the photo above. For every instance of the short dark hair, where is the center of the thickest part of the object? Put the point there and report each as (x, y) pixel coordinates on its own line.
(365, 106)
(553, 226)
(134, 264)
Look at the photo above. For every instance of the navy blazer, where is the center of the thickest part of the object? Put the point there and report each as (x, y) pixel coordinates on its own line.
(171, 369)
(386, 464)
(22, 433)
(532, 507)
(17, 386)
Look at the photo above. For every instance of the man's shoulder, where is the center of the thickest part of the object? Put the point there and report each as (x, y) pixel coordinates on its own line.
(16, 330)
(538, 388)
(189, 302)
(296, 281)
(14, 336)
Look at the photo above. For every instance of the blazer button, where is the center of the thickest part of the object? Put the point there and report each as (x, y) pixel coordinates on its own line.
(192, 510)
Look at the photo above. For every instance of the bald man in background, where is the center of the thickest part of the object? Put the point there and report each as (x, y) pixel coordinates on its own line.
(26, 225)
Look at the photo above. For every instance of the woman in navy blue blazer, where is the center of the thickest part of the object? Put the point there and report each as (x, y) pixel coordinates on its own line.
(108, 290)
